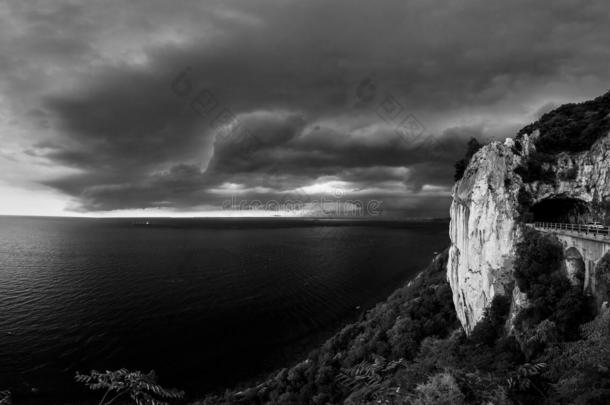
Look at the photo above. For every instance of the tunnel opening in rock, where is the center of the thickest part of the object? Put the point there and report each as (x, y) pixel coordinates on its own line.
(575, 267)
(562, 209)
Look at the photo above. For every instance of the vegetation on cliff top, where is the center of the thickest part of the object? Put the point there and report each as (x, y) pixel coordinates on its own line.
(572, 127)
(569, 128)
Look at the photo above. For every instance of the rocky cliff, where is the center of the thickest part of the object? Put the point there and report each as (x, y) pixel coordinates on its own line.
(493, 200)
(483, 231)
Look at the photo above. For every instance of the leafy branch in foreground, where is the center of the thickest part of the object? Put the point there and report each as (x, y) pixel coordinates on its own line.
(369, 380)
(5, 398)
(368, 373)
(141, 388)
(527, 378)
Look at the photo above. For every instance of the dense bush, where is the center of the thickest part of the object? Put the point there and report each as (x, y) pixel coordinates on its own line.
(491, 327)
(537, 256)
(524, 201)
(602, 280)
(572, 127)
(537, 167)
(538, 273)
(580, 368)
(441, 389)
(480, 371)
(460, 166)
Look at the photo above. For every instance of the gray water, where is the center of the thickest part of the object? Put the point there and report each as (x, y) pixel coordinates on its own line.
(206, 304)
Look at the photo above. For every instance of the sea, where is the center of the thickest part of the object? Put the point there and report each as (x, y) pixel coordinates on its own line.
(208, 304)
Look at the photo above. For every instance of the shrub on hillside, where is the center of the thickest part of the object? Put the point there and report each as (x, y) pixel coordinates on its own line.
(461, 352)
(592, 352)
(572, 309)
(580, 369)
(538, 255)
(491, 327)
(534, 340)
(537, 272)
(524, 201)
(602, 280)
(441, 389)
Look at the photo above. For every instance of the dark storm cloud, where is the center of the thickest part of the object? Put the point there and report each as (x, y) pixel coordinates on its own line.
(137, 115)
(278, 154)
(126, 119)
(288, 142)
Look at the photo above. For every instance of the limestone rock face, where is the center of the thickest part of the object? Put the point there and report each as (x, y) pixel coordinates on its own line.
(591, 180)
(484, 228)
(518, 302)
(483, 231)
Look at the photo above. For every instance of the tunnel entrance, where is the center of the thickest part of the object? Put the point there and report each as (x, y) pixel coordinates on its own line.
(562, 209)
(575, 267)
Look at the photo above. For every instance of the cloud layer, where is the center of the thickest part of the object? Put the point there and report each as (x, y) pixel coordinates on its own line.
(152, 104)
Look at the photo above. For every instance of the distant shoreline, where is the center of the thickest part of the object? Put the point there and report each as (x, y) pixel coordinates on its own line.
(247, 222)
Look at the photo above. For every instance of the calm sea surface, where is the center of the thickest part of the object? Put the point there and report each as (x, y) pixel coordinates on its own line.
(205, 303)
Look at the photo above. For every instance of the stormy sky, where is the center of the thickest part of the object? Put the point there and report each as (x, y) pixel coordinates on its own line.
(176, 107)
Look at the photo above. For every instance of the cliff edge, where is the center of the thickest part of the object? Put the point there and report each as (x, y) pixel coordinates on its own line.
(544, 174)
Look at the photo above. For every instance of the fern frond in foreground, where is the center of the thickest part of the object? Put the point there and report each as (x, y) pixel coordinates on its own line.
(141, 388)
(5, 398)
